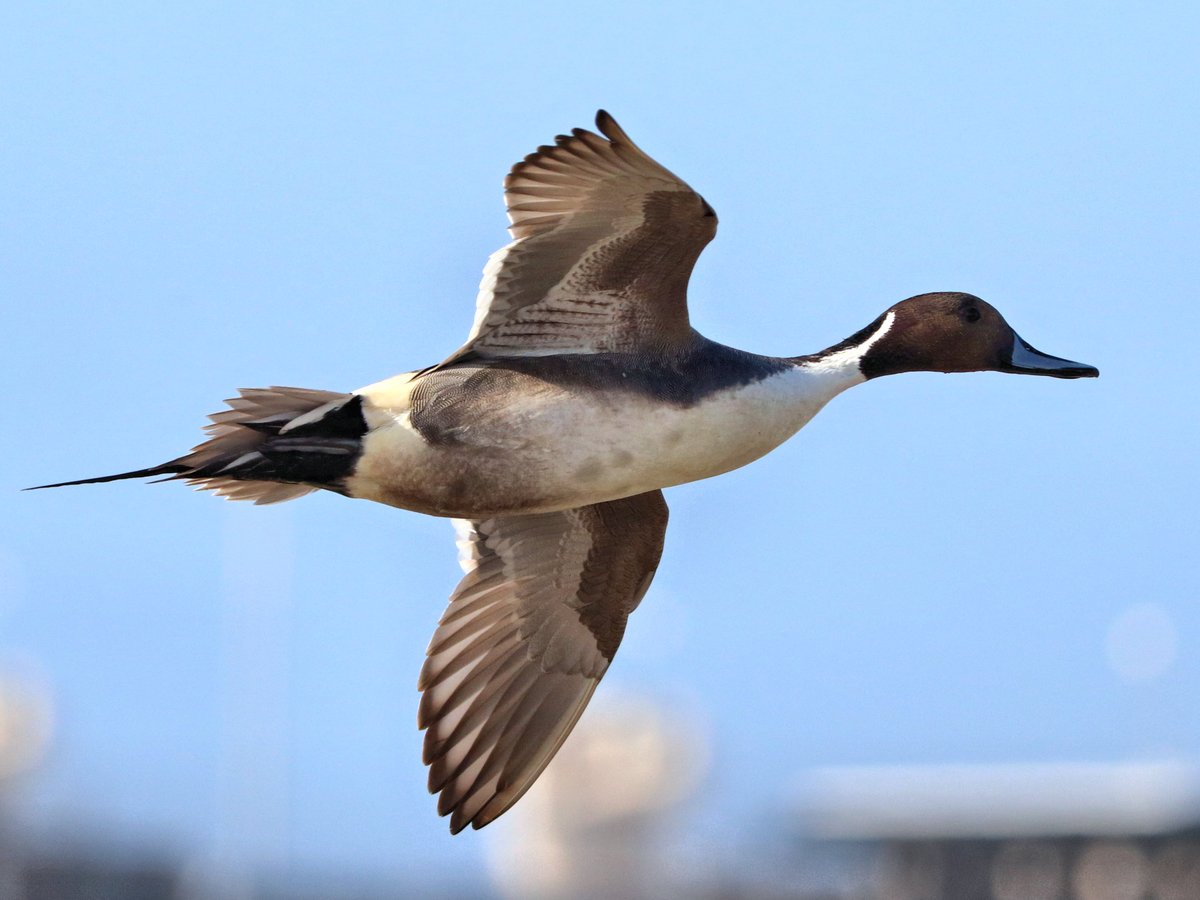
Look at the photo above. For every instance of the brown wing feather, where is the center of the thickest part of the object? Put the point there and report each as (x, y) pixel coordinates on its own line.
(606, 239)
(528, 634)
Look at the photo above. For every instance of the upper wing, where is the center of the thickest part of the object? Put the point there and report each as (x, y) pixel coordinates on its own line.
(606, 239)
(528, 634)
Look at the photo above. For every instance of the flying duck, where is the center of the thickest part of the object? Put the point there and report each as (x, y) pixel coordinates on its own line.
(581, 392)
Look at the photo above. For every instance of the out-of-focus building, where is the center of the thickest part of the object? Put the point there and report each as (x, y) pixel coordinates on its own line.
(599, 821)
(614, 816)
(1126, 831)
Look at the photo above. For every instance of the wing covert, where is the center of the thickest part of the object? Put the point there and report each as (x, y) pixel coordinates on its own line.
(605, 242)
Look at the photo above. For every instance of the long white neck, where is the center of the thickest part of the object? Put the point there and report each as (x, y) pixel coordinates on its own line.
(819, 378)
(737, 426)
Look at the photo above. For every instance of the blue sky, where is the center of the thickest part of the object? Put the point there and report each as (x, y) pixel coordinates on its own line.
(937, 569)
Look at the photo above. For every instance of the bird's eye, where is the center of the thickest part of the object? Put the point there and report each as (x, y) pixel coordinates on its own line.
(972, 315)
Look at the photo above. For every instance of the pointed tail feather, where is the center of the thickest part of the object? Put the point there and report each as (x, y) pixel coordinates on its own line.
(169, 469)
(246, 457)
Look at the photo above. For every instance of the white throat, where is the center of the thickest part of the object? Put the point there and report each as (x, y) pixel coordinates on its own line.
(831, 374)
(774, 409)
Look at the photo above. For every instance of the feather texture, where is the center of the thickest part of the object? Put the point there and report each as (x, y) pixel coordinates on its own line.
(605, 241)
(527, 636)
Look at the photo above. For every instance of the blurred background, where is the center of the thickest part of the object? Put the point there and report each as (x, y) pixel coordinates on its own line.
(943, 644)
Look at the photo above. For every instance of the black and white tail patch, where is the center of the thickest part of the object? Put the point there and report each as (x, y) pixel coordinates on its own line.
(272, 444)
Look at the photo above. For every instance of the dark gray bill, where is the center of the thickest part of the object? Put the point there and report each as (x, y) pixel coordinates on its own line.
(1027, 361)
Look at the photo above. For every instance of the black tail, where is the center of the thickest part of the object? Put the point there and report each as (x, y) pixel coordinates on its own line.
(272, 444)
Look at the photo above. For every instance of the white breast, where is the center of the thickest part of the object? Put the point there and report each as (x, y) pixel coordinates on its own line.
(664, 445)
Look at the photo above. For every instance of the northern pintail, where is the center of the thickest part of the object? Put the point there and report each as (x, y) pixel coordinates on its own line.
(581, 392)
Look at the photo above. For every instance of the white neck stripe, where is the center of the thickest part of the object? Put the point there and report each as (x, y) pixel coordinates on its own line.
(856, 353)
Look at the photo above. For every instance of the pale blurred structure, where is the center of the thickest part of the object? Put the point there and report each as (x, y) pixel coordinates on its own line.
(598, 822)
(913, 802)
(25, 726)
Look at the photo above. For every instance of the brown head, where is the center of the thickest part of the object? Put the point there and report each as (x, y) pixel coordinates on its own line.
(952, 332)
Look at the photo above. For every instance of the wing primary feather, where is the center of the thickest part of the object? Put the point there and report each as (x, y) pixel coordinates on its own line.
(514, 693)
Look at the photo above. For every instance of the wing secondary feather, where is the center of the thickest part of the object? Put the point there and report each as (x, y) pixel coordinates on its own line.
(528, 634)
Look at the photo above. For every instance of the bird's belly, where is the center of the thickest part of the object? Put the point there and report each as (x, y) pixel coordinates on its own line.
(640, 449)
(573, 451)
